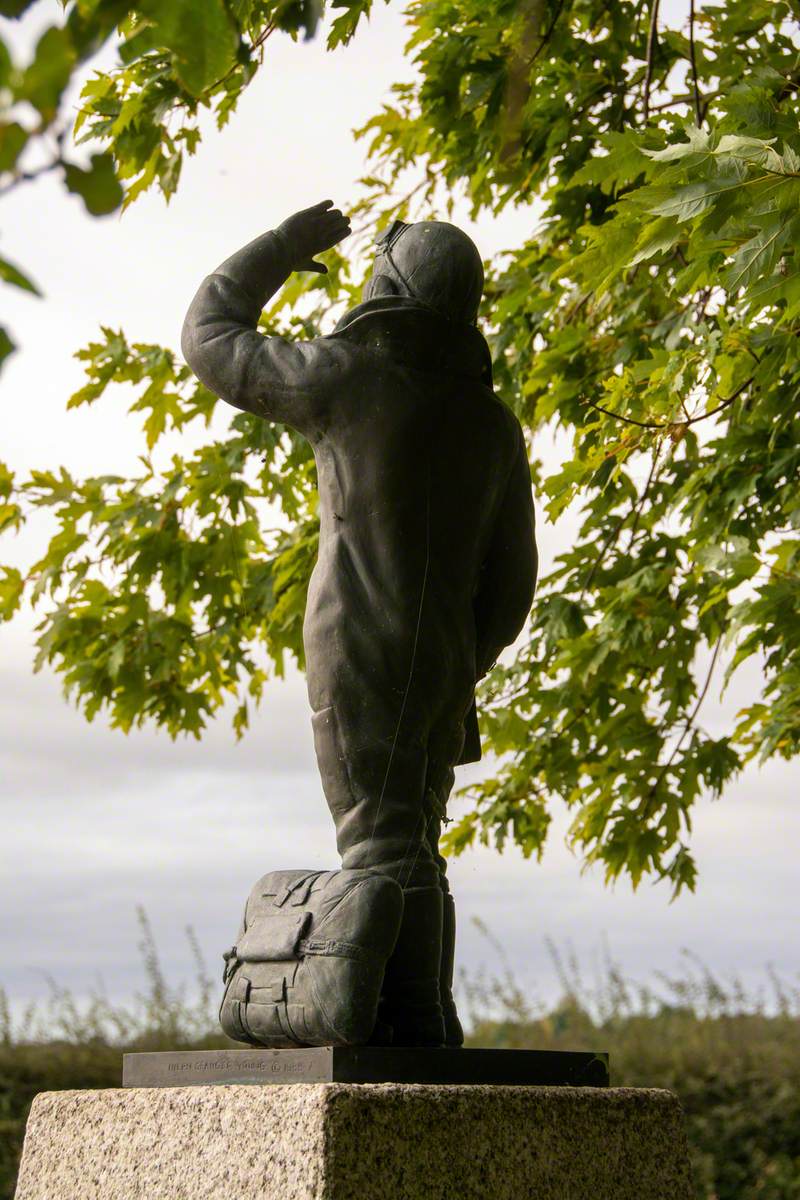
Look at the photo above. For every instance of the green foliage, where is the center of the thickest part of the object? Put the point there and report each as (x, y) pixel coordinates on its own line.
(202, 39)
(6, 346)
(651, 318)
(98, 187)
(11, 274)
(731, 1058)
(168, 592)
(67, 1044)
(346, 23)
(177, 57)
(171, 592)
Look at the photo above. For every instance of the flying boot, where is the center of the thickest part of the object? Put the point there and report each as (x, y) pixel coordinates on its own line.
(453, 1032)
(410, 1003)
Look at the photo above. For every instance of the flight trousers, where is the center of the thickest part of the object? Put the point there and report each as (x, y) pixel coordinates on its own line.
(387, 796)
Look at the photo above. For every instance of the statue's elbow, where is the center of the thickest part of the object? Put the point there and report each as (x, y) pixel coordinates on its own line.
(200, 355)
(533, 574)
(521, 601)
(522, 583)
(190, 344)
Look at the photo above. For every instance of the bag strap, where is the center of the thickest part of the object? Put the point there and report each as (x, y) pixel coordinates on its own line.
(297, 891)
(309, 947)
(331, 948)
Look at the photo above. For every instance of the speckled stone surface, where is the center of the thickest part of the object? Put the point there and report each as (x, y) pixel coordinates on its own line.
(356, 1142)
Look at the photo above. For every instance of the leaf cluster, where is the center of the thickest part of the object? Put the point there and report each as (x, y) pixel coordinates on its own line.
(177, 58)
(168, 593)
(650, 319)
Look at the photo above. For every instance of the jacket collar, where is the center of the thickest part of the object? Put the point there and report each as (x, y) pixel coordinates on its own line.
(411, 332)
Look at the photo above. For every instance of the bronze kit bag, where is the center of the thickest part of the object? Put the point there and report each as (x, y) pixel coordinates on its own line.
(308, 964)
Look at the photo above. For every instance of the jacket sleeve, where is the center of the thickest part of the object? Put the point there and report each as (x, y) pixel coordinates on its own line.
(508, 576)
(276, 378)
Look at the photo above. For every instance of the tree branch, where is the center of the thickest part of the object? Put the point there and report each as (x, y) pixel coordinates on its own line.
(698, 110)
(651, 49)
(690, 719)
(627, 420)
(548, 33)
(672, 424)
(724, 404)
(791, 85)
(576, 308)
(702, 303)
(518, 84)
(675, 101)
(29, 176)
(612, 537)
(637, 509)
(266, 32)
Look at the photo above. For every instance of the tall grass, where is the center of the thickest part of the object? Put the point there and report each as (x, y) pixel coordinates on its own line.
(161, 1016)
(731, 1054)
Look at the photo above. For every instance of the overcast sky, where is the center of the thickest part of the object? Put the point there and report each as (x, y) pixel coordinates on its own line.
(94, 822)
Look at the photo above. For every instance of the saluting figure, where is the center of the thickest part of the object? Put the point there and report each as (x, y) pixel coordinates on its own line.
(427, 556)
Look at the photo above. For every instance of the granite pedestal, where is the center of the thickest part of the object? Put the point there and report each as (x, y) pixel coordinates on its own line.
(334, 1141)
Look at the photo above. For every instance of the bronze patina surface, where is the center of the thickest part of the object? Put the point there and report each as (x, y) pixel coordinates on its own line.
(426, 568)
(365, 1064)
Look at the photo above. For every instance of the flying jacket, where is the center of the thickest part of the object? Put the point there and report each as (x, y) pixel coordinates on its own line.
(427, 558)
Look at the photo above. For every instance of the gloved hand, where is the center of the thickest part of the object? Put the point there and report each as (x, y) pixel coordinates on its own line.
(311, 231)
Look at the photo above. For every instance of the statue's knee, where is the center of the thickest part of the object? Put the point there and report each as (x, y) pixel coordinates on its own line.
(376, 852)
(411, 864)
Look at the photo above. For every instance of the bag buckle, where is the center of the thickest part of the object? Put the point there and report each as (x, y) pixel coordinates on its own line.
(231, 963)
